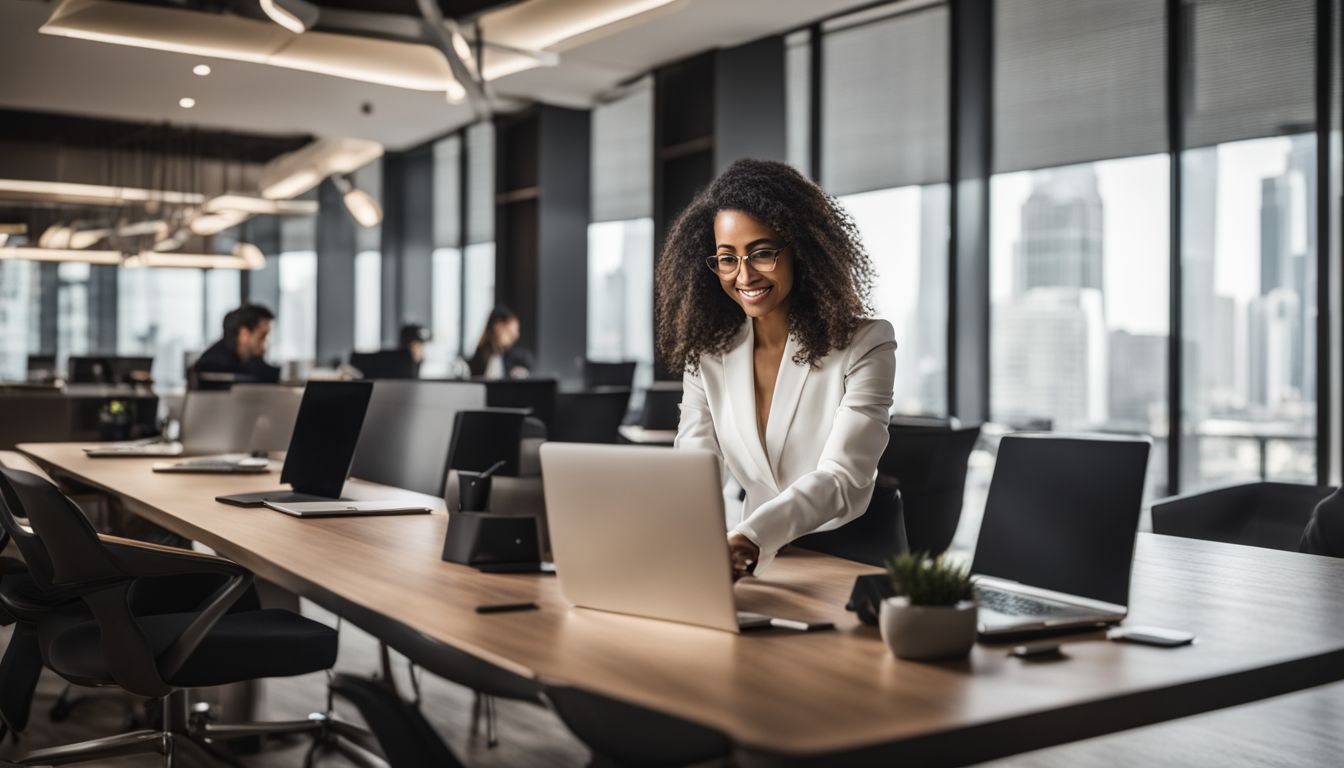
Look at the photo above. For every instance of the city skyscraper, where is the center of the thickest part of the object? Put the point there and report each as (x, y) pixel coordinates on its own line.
(1062, 227)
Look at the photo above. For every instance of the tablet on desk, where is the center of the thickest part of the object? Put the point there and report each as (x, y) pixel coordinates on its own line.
(347, 508)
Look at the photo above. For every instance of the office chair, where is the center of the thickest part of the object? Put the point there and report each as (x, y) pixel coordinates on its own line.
(1324, 534)
(597, 374)
(403, 442)
(928, 464)
(622, 734)
(1261, 514)
(662, 406)
(873, 538)
(105, 641)
(535, 395)
(590, 417)
(386, 364)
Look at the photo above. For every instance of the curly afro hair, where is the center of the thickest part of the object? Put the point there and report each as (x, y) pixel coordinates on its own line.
(832, 279)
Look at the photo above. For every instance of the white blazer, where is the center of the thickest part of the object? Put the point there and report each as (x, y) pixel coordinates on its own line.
(827, 428)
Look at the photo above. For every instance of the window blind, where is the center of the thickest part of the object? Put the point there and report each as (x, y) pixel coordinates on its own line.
(448, 193)
(480, 183)
(622, 156)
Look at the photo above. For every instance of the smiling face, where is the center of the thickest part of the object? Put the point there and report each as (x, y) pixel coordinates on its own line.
(759, 293)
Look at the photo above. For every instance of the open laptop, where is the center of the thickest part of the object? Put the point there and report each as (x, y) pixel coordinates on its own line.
(641, 531)
(209, 425)
(321, 448)
(1057, 542)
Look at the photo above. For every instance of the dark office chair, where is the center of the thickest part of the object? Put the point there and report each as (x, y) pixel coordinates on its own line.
(590, 417)
(405, 440)
(662, 406)
(1324, 534)
(597, 374)
(928, 464)
(154, 655)
(386, 364)
(1271, 515)
(873, 538)
(535, 395)
(622, 734)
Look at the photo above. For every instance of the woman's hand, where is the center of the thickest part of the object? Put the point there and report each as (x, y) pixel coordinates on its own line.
(744, 553)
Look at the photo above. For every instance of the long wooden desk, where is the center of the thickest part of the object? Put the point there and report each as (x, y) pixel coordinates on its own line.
(1268, 623)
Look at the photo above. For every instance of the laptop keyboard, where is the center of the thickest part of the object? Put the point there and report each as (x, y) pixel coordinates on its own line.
(1019, 605)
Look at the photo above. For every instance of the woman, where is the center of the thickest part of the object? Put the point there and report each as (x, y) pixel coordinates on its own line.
(762, 297)
(497, 354)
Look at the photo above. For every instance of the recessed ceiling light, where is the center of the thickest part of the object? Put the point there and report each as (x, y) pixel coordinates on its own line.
(201, 70)
(186, 102)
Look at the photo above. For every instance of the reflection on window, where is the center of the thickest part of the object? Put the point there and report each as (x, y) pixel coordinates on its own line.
(905, 233)
(445, 345)
(296, 321)
(17, 295)
(478, 295)
(368, 301)
(223, 293)
(158, 314)
(1249, 269)
(1079, 333)
(620, 293)
(72, 310)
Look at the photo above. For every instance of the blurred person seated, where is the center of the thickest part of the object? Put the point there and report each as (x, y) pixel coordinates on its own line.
(240, 356)
(497, 353)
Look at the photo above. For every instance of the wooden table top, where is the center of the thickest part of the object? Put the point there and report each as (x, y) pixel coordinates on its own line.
(1268, 622)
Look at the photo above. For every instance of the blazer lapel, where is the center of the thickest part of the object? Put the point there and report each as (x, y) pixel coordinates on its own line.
(739, 376)
(784, 404)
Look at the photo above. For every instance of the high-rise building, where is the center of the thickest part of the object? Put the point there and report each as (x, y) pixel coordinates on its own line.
(1061, 244)
(1135, 398)
(1051, 362)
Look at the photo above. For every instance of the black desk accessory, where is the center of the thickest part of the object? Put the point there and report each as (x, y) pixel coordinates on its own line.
(486, 443)
(488, 540)
(322, 446)
(506, 607)
(386, 364)
(473, 488)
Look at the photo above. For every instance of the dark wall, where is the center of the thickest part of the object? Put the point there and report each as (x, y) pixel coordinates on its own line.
(263, 286)
(416, 264)
(563, 215)
(749, 107)
(335, 276)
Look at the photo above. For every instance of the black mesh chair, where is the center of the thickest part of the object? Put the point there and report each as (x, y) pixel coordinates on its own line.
(1324, 534)
(873, 538)
(107, 642)
(928, 464)
(597, 374)
(1271, 515)
(590, 417)
(621, 734)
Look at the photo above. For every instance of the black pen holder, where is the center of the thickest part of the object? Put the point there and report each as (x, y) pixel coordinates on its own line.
(482, 538)
(473, 491)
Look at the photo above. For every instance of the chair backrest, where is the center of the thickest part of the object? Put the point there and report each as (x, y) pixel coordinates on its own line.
(662, 406)
(590, 417)
(873, 538)
(929, 466)
(537, 395)
(385, 364)
(1324, 534)
(597, 374)
(481, 438)
(1259, 514)
(34, 555)
(408, 432)
(63, 547)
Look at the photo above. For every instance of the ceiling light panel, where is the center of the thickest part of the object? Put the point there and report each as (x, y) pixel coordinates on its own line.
(540, 24)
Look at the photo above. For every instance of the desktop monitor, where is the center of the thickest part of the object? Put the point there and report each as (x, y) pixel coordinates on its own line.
(325, 435)
(41, 368)
(662, 407)
(108, 369)
(387, 364)
(597, 374)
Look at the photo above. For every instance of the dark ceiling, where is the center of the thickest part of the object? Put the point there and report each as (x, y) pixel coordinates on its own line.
(69, 131)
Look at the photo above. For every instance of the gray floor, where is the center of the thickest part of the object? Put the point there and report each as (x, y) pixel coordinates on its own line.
(1295, 731)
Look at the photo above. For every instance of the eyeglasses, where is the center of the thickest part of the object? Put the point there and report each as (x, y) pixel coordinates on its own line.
(762, 260)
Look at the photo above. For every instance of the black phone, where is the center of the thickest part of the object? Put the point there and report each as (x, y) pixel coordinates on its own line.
(506, 607)
(1164, 638)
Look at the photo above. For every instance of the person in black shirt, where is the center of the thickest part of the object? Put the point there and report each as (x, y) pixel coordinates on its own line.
(497, 354)
(239, 357)
(412, 339)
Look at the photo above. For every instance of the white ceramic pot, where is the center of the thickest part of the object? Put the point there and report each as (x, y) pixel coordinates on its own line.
(925, 632)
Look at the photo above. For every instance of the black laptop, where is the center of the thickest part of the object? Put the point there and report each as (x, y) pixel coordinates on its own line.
(322, 446)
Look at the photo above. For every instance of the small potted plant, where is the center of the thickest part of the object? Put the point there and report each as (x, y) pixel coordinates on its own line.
(933, 615)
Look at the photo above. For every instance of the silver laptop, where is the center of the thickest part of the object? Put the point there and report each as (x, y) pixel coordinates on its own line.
(1057, 542)
(208, 426)
(264, 416)
(641, 531)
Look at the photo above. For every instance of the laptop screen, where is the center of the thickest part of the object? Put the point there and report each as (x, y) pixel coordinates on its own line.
(325, 435)
(1062, 514)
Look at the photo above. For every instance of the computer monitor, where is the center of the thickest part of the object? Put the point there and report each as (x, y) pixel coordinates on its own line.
(108, 369)
(387, 364)
(662, 407)
(597, 374)
(536, 395)
(41, 368)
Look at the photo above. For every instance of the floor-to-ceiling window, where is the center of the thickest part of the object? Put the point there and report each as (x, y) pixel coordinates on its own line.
(478, 288)
(369, 265)
(223, 292)
(445, 346)
(620, 237)
(155, 313)
(294, 336)
(1249, 242)
(884, 124)
(17, 295)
